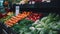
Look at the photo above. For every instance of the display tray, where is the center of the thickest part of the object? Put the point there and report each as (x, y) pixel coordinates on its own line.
(5, 30)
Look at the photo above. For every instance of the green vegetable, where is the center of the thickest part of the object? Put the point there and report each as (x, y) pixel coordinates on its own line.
(25, 22)
(50, 32)
(38, 26)
(48, 24)
(42, 32)
(44, 19)
(23, 26)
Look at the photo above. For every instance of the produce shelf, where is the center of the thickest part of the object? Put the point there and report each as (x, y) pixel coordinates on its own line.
(5, 30)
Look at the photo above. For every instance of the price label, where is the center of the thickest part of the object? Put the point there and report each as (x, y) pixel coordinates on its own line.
(46, 0)
(17, 10)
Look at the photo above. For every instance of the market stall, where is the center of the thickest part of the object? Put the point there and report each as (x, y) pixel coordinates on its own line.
(30, 17)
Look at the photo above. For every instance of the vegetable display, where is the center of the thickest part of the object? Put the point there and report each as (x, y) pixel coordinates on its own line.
(7, 17)
(33, 23)
(15, 19)
(22, 26)
(47, 25)
(34, 16)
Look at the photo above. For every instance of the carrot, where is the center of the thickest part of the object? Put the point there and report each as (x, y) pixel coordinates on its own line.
(12, 22)
(13, 16)
(9, 24)
(20, 18)
(15, 19)
(19, 15)
(12, 19)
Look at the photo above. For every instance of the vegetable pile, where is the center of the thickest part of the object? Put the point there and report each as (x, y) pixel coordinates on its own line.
(22, 27)
(31, 23)
(47, 25)
(7, 17)
(34, 16)
(15, 19)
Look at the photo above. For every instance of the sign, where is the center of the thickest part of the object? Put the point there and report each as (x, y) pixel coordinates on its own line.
(17, 10)
(46, 0)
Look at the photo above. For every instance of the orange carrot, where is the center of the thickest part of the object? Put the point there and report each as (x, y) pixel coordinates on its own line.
(15, 19)
(12, 19)
(9, 24)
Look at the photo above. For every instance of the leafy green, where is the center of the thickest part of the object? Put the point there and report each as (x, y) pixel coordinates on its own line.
(48, 25)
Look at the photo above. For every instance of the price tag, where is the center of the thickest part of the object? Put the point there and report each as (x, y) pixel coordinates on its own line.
(17, 10)
(46, 0)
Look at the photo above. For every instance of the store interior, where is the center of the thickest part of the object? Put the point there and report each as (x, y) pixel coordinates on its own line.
(29, 16)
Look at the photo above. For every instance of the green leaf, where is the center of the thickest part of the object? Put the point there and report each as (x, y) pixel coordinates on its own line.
(42, 32)
(38, 26)
(50, 32)
(43, 19)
